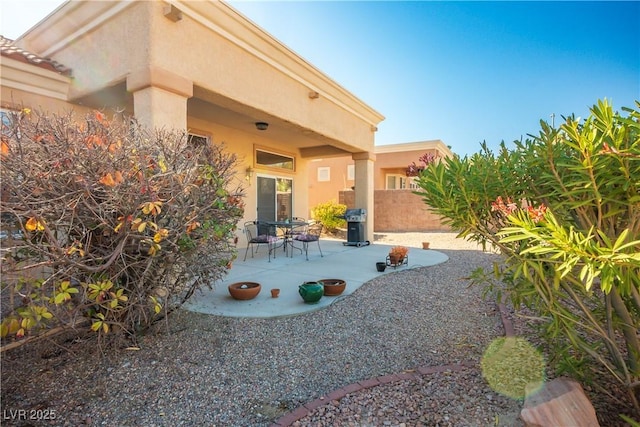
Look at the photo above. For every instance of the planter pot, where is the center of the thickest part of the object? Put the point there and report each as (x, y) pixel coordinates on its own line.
(425, 245)
(244, 290)
(395, 260)
(381, 266)
(275, 293)
(333, 287)
(311, 292)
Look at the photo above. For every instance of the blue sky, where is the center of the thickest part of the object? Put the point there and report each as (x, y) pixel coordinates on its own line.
(462, 72)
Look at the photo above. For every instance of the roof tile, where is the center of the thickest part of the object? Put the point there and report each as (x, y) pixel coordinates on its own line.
(10, 50)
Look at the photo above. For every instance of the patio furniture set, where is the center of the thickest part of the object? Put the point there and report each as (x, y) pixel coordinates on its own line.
(282, 234)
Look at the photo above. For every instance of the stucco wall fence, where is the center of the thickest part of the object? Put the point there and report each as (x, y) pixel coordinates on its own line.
(398, 211)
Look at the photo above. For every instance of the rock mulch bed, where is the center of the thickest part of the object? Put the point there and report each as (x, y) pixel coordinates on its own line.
(200, 370)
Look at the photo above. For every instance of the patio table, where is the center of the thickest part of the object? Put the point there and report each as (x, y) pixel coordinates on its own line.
(287, 227)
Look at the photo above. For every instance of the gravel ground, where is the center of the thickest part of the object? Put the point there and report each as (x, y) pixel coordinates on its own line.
(201, 370)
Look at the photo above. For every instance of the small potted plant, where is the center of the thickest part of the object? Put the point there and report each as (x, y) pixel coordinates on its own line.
(397, 254)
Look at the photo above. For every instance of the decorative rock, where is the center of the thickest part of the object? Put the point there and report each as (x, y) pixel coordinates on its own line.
(561, 402)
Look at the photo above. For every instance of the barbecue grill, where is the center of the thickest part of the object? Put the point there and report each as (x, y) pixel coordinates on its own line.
(355, 227)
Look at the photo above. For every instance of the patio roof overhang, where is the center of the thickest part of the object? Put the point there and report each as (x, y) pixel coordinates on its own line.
(305, 109)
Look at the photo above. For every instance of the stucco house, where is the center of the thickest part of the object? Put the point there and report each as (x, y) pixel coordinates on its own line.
(200, 66)
(334, 179)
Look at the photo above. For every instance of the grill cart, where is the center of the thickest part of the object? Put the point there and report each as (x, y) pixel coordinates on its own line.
(355, 227)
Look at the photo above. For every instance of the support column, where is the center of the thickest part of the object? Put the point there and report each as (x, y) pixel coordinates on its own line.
(364, 187)
(160, 98)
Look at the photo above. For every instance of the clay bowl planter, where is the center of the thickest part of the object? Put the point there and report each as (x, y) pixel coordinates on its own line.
(244, 290)
(333, 287)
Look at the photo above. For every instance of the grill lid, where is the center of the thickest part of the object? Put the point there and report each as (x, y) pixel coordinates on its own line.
(355, 215)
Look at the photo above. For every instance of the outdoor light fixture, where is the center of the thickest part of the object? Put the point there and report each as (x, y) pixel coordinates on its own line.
(248, 173)
(262, 125)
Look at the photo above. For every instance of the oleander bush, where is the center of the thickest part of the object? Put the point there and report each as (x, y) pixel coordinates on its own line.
(330, 214)
(563, 207)
(109, 225)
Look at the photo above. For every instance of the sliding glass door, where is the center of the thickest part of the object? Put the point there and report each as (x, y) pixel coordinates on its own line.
(275, 198)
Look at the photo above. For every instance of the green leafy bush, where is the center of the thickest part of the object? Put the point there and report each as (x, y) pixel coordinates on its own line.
(564, 209)
(108, 224)
(330, 214)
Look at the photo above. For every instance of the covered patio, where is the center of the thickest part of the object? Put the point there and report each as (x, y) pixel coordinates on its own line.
(355, 265)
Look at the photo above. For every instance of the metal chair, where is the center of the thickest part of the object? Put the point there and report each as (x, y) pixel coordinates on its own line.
(293, 230)
(259, 233)
(312, 234)
(301, 229)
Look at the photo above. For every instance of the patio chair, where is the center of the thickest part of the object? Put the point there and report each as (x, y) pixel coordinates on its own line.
(311, 235)
(301, 229)
(260, 233)
(294, 231)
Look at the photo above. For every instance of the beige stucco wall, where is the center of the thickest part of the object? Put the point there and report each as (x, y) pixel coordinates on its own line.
(323, 191)
(25, 85)
(17, 99)
(117, 44)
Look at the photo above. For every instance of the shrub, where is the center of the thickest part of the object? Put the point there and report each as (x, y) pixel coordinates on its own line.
(425, 160)
(330, 214)
(113, 225)
(564, 208)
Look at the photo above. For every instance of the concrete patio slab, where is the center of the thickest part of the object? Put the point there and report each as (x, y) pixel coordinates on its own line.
(355, 265)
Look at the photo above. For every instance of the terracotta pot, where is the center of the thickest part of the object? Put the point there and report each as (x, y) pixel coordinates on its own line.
(275, 293)
(425, 245)
(311, 292)
(333, 287)
(381, 266)
(244, 290)
(395, 259)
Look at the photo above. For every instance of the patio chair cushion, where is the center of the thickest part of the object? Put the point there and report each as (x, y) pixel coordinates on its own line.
(306, 237)
(264, 238)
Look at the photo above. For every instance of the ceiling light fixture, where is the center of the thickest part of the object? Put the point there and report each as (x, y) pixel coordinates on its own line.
(262, 125)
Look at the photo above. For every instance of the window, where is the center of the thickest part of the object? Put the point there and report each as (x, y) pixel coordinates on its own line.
(274, 160)
(198, 140)
(324, 174)
(275, 198)
(396, 182)
(351, 172)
